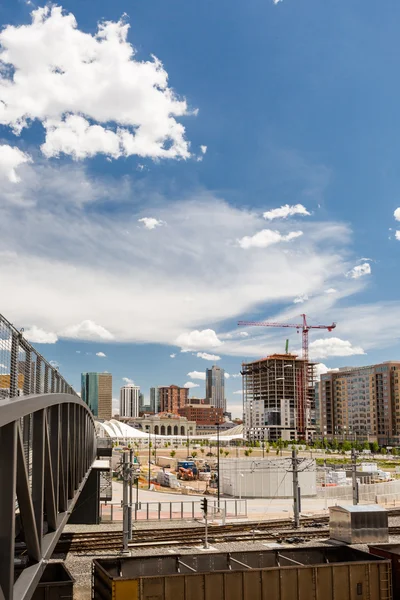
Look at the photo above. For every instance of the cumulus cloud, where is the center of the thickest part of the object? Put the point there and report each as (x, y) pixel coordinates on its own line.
(396, 214)
(36, 335)
(333, 346)
(197, 375)
(97, 97)
(101, 354)
(238, 392)
(3, 366)
(321, 369)
(86, 330)
(300, 299)
(244, 334)
(267, 237)
(10, 159)
(227, 375)
(151, 222)
(236, 375)
(203, 149)
(191, 384)
(330, 291)
(128, 381)
(172, 355)
(196, 340)
(397, 235)
(207, 356)
(359, 271)
(285, 211)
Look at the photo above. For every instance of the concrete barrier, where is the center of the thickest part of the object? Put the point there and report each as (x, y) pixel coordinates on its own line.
(367, 492)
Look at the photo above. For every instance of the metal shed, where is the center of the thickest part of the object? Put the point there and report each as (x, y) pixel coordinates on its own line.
(359, 524)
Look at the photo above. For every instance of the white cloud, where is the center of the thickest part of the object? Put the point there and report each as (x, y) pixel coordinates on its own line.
(238, 392)
(36, 335)
(3, 366)
(203, 149)
(101, 354)
(196, 340)
(330, 291)
(78, 351)
(397, 235)
(62, 248)
(191, 384)
(10, 159)
(333, 346)
(244, 334)
(396, 214)
(150, 222)
(172, 355)
(236, 375)
(285, 211)
(128, 381)
(227, 375)
(207, 356)
(300, 299)
(321, 369)
(359, 271)
(267, 237)
(54, 363)
(276, 1)
(86, 330)
(197, 375)
(94, 98)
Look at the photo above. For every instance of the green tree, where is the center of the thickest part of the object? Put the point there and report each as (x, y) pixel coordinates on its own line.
(346, 446)
(172, 453)
(226, 452)
(257, 444)
(194, 454)
(247, 453)
(202, 450)
(374, 447)
(335, 444)
(366, 446)
(221, 451)
(267, 448)
(383, 451)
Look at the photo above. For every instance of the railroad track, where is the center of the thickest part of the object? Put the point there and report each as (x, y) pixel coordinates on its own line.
(95, 541)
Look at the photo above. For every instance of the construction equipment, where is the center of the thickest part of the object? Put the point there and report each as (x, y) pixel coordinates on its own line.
(308, 378)
(304, 326)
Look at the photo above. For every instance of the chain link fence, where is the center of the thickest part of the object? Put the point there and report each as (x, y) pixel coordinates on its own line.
(23, 370)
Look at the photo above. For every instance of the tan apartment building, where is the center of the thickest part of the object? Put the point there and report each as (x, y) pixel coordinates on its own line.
(361, 403)
(172, 398)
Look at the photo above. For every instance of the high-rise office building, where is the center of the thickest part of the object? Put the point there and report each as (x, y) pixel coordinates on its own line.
(172, 398)
(361, 403)
(154, 400)
(129, 401)
(96, 391)
(277, 400)
(215, 387)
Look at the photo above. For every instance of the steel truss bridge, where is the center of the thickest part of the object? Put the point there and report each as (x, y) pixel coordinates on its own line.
(47, 448)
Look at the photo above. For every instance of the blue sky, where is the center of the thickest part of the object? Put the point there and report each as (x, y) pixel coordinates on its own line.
(134, 189)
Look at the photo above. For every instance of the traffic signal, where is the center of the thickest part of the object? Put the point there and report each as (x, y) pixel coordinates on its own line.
(203, 504)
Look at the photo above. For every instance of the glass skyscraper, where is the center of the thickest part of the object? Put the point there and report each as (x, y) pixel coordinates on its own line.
(215, 387)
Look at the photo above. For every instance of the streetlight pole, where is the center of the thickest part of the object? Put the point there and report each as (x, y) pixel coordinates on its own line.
(218, 480)
(149, 459)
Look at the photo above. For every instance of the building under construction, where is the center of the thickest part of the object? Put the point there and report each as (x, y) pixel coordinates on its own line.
(278, 398)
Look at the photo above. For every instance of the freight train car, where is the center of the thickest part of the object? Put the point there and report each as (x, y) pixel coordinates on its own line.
(320, 573)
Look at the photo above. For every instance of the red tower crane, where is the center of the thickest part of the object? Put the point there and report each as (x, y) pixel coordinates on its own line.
(304, 326)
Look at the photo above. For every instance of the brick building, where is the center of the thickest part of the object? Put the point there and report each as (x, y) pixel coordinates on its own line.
(172, 398)
(203, 414)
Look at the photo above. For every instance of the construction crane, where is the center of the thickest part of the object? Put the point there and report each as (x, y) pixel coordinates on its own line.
(304, 326)
(303, 400)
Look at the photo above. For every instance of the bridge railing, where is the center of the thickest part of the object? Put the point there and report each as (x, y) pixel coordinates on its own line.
(47, 448)
(23, 370)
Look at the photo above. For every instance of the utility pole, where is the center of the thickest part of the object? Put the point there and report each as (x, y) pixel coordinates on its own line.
(125, 526)
(354, 475)
(218, 480)
(296, 490)
(130, 493)
(149, 459)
